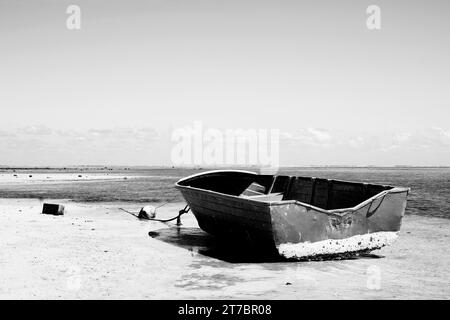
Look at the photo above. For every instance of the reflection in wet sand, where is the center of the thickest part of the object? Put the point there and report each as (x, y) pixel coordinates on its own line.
(195, 239)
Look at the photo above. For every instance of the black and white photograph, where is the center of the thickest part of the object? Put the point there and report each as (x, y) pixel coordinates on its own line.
(224, 150)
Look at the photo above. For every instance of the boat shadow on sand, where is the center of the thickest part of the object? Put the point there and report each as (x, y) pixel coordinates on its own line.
(196, 240)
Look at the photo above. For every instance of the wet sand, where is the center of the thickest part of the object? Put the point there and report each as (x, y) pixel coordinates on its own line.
(96, 251)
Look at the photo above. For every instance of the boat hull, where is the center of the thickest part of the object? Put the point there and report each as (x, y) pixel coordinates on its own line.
(303, 231)
(295, 229)
(231, 218)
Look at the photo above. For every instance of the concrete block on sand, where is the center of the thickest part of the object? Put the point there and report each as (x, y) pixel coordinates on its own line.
(54, 209)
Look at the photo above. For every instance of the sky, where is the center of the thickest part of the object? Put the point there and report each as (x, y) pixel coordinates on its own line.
(114, 91)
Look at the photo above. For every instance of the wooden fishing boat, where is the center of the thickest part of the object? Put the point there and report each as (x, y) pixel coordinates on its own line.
(300, 217)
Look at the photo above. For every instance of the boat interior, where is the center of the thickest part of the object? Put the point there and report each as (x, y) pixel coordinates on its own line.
(323, 193)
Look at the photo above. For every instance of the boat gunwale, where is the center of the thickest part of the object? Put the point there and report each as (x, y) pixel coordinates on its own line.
(339, 212)
(262, 203)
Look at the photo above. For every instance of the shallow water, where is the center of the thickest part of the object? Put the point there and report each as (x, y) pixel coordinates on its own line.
(430, 187)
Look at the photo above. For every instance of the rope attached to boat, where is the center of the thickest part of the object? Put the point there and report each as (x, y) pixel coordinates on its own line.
(180, 213)
(371, 213)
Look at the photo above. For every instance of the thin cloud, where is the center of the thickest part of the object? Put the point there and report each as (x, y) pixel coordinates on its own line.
(39, 145)
(39, 130)
(432, 139)
(315, 137)
(145, 145)
(357, 142)
(6, 134)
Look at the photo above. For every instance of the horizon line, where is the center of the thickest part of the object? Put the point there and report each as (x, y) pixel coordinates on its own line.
(199, 167)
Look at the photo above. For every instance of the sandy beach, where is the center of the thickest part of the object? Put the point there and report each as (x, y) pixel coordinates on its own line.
(97, 251)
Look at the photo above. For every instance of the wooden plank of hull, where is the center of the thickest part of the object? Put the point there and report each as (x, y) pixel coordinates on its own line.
(225, 213)
(249, 209)
(221, 216)
(221, 226)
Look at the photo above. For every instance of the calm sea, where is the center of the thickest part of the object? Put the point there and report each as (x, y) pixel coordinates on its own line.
(430, 187)
(429, 196)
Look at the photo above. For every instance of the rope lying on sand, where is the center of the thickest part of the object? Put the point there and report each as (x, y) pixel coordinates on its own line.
(180, 213)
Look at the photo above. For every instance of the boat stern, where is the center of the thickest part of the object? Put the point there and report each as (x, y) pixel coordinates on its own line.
(302, 231)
